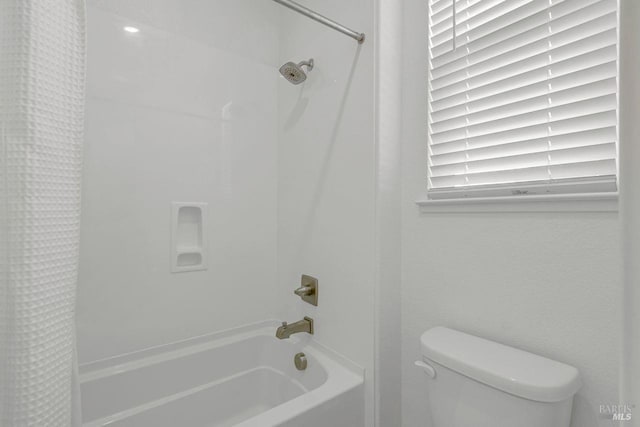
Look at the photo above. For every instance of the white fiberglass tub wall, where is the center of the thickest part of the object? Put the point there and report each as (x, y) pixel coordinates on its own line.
(244, 377)
(326, 183)
(184, 109)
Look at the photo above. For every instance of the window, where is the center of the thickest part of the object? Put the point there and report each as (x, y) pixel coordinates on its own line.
(522, 97)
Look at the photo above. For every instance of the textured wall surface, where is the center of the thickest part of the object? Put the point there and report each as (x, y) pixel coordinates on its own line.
(42, 72)
(548, 283)
(388, 204)
(630, 198)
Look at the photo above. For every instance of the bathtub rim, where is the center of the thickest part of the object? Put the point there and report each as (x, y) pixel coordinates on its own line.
(88, 370)
(343, 374)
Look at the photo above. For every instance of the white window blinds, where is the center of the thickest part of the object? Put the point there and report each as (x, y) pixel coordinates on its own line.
(526, 101)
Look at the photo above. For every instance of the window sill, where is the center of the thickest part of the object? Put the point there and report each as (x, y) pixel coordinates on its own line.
(588, 202)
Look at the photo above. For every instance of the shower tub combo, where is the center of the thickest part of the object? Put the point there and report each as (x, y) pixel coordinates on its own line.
(243, 377)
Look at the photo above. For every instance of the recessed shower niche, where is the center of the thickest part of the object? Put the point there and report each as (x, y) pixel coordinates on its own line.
(188, 241)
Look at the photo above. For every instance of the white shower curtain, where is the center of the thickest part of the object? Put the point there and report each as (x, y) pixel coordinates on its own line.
(42, 73)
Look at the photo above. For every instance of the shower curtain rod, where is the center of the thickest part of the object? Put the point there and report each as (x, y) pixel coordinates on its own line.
(322, 19)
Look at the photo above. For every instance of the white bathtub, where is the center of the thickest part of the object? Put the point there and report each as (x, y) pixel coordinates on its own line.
(244, 377)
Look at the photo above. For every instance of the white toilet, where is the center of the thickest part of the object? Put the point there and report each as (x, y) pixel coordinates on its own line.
(473, 382)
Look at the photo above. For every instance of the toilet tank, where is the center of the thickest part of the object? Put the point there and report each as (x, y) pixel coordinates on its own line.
(474, 382)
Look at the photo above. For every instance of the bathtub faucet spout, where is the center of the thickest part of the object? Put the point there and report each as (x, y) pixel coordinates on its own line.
(286, 330)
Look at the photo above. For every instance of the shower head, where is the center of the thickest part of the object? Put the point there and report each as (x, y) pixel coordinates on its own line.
(294, 73)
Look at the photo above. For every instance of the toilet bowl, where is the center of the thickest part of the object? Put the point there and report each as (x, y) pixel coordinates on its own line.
(474, 382)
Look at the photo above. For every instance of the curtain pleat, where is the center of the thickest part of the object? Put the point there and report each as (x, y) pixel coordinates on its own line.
(42, 79)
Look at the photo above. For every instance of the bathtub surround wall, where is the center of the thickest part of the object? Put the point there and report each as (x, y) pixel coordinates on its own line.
(42, 75)
(288, 173)
(546, 282)
(326, 180)
(183, 110)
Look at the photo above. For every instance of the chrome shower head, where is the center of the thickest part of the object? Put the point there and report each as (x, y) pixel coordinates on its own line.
(294, 73)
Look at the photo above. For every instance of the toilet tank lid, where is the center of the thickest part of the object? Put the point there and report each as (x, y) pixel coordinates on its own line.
(506, 368)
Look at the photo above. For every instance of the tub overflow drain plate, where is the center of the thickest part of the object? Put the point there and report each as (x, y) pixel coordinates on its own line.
(300, 361)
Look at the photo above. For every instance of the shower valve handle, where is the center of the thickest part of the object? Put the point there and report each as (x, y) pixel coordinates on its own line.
(304, 291)
(308, 290)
